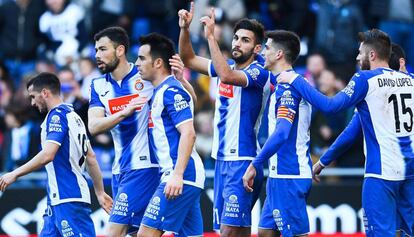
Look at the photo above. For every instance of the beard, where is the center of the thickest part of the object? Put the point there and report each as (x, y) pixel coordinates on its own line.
(108, 67)
(243, 56)
(365, 64)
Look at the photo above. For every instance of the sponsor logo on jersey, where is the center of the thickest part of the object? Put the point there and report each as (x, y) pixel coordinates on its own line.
(119, 103)
(349, 89)
(254, 73)
(287, 99)
(226, 90)
(180, 103)
(153, 208)
(54, 125)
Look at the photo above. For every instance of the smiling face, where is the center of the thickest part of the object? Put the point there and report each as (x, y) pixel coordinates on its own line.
(105, 55)
(243, 46)
(145, 62)
(37, 99)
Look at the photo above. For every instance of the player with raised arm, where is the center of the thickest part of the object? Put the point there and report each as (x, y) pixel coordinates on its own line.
(384, 100)
(287, 149)
(65, 153)
(242, 82)
(175, 206)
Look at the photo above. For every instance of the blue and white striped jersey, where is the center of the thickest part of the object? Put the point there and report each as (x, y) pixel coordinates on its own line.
(385, 101)
(64, 174)
(237, 111)
(172, 106)
(131, 134)
(287, 147)
(292, 160)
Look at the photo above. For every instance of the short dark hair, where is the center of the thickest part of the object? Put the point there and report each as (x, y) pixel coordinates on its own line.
(288, 41)
(160, 46)
(396, 53)
(378, 41)
(252, 25)
(116, 34)
(45, 80)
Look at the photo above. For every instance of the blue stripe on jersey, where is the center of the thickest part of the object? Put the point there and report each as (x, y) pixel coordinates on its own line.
(287, 161)
(407, 152)
(65, 178)
(222, 125)
(373, 155)
(247, 135)
(172, 134)
(128, 127)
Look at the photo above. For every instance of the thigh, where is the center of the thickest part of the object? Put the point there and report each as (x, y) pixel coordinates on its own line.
(405, 207)
(73, 219)
(379, 207)
(170, 215)
(49, 228)
(134, 191)
(237, 202)
(288, 205)
(193, 222)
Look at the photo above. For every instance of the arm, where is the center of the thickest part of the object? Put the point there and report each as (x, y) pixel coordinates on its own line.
(94, 171)
(98, 123)
(273, 144)
(46, 155)
(223, 70)
(174, 186)
(353, 93)
(182, 118)
(185, 47)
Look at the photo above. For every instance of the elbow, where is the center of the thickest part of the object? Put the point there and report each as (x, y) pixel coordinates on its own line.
(190, 135)
(283, 136)
(92, 129)
(226, 78)
(47, 158)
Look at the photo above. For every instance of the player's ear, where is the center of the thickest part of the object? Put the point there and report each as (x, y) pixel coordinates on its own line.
(120, 50)
(279, 54)
(257, 49)
(372, 55)
(158, 63)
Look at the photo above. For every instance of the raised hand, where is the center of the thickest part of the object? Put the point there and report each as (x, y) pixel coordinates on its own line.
(209, 23)
(185, 17)
(177, 67)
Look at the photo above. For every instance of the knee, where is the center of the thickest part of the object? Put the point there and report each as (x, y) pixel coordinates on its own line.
(143, 234)
(234, 232)
(115, 231)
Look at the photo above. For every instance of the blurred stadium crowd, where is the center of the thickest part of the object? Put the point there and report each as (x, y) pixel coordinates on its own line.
(56, 36)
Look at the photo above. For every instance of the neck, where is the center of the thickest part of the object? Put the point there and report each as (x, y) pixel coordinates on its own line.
(404, 69)
(159, 78)
(245, 64)
(53, 102)
(121, 70)
(280, 67)
(379, 64)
